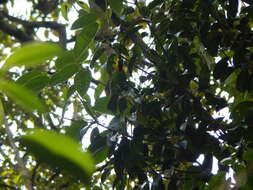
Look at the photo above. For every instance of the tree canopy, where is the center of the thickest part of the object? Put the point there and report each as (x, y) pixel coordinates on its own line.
(149, 88)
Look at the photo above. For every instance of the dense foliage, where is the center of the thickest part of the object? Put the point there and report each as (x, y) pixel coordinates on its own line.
(149, 87)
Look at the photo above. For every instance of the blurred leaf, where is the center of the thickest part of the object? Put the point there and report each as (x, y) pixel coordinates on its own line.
(250, 49)
(84, 21)
(82, 81)
(84, 39)
(22, 96)
(32, 54)
(64, 153)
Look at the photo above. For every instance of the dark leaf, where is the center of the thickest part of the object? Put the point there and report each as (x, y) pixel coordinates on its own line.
(233, 7)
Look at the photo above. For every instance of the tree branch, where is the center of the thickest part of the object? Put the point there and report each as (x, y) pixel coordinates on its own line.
(25, 173)
(60, 28)
(16, 33)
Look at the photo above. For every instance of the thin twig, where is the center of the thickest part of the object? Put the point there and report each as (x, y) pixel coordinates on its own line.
(34, 174)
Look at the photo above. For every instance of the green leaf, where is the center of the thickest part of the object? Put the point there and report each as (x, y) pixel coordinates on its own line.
(101, 105)
(63, 153)
(83, 5)
(250, 49)
(64, 10)
(22, 96)
(101, 4)
(243, 110)
(64, 74)
(217, 182)
(101, 154)
(99, 51)
(73, 131)
(154, 3)
(32, 54)
(34, 80)
(1, 113)
(84, 39)
(116, 5)
(82, 81)
(248, 155)
(65, 59)
(84, 21)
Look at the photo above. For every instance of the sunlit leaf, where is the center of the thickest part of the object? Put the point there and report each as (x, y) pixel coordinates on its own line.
(32, 54)
(22, 96)
(64, 153)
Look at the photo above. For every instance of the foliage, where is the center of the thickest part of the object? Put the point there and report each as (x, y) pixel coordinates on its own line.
(149, 86)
